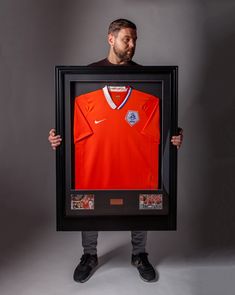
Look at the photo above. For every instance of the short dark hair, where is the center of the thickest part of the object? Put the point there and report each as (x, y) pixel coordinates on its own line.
(119, 24)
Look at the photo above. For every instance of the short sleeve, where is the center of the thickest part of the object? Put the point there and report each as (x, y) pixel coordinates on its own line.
(82, 127)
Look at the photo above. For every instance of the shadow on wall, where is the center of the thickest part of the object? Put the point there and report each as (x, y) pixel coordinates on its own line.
(208, 230)
(217, 222)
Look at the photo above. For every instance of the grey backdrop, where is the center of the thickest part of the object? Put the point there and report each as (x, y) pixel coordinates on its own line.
(37, 35)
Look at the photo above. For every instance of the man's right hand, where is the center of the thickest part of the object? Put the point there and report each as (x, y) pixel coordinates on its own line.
(55, 140)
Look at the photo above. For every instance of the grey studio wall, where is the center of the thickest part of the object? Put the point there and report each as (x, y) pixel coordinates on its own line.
(196, 35)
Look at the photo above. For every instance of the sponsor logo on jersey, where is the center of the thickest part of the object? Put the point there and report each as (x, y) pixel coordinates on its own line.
(99, 121)
(132, 117)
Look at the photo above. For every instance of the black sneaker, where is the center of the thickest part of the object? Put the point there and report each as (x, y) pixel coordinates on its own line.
(146, 270)
(85, 268)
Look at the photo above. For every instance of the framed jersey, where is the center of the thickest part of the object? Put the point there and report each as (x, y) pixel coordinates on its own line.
(116, 168)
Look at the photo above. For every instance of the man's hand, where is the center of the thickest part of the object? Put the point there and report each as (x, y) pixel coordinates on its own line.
(55, 140)
(177, 139)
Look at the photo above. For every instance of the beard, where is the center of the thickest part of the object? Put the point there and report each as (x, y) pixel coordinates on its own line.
(124, 55)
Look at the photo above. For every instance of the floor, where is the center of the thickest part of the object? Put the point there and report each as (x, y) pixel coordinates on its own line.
(44, 264)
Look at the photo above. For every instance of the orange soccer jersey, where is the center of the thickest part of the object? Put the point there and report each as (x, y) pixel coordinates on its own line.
(116, 137)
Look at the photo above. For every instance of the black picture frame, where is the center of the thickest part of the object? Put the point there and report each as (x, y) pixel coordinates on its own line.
(116, 209)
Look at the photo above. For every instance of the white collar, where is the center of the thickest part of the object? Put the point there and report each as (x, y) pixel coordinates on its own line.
(111, 102)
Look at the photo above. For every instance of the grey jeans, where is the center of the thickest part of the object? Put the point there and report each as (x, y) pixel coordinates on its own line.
(89, 241)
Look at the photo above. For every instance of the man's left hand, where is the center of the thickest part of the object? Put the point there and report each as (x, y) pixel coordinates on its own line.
(177, 139)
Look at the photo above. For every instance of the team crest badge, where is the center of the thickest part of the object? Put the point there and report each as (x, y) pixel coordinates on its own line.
(132, 117)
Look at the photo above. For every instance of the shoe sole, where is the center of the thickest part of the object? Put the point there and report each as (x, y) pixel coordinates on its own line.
(147, 281)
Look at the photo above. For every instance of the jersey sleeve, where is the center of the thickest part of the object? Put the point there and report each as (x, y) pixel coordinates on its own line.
(152, 126)
(82, 128)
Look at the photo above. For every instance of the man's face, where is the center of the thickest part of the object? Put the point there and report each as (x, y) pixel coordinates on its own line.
(123, 43)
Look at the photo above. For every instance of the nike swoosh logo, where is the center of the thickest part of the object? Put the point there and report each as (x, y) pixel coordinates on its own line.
(99, 121)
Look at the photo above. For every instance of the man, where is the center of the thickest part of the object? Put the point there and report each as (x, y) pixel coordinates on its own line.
(122, 36)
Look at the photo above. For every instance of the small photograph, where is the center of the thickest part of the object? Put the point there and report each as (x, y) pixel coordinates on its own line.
(150, 201)
(82, 202)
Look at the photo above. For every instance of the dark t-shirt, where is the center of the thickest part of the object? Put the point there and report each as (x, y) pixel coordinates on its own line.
(106, 62)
